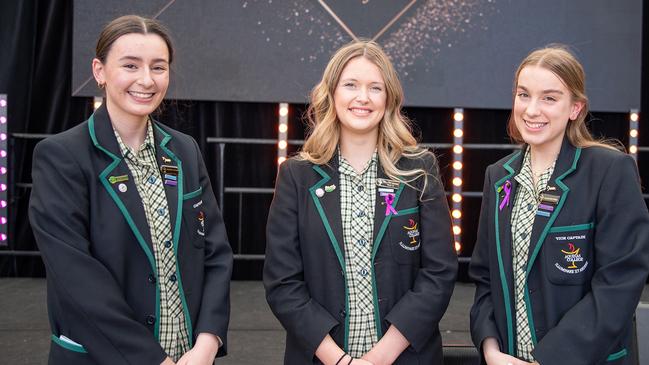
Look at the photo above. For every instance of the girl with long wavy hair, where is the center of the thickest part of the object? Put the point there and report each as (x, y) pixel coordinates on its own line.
(359, 265)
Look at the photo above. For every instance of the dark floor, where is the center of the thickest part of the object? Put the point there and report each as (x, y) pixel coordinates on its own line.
(255, 335)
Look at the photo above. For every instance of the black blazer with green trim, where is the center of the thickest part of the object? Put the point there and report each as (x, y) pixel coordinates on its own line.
(103, 287)
(304, 269)
(587, 262)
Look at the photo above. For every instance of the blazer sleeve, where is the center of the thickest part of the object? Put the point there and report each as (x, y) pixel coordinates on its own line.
(620, 245)
(214, 314)
(98, 316)
(422, 307)
(483, 323)
(286, 291)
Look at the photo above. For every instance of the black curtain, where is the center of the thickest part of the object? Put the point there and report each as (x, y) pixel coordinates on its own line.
(35, 69)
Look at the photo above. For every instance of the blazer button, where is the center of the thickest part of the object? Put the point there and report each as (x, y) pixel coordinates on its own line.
(150, 319)
(343, 313)
(151, 279)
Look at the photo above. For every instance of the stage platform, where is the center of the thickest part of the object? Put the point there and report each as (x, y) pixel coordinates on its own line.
(255, 337)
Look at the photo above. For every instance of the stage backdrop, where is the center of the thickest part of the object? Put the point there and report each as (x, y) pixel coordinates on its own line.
(449, 53)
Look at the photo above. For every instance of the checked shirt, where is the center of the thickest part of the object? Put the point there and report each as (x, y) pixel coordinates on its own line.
(357, 199)
(523, 213)
(174, 338)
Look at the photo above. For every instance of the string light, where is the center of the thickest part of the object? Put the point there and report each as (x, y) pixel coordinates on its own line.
(634, 123)
(4, 167)
(456, 197)
(282, 136)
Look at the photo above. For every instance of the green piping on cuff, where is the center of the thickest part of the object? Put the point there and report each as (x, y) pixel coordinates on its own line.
(618, 355)
(69, 346)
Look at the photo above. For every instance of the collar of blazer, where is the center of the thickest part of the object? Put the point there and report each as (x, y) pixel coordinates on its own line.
(129, 201)
(328, 207)
(565, 165)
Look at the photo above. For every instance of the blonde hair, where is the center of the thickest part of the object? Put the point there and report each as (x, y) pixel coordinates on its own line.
(558, 59)
(395, 137)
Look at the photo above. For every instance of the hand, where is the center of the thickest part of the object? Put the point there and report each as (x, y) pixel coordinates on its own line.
(203, 352)
(493, 356)
(168, 361)
(361, 361)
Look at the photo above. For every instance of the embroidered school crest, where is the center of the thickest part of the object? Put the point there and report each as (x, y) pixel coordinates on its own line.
(413, 232)
(573, 261)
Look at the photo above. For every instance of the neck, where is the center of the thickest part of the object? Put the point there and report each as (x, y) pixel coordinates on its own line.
(357, 149)
(543, 156)
(131, 128)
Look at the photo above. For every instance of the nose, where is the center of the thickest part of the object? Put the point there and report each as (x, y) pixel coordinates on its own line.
(146, 80)
(363, 95)
(532, 109)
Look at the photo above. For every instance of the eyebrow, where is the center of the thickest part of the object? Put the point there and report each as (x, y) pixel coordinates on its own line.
(134, 58)
(546, 91)
(353, 79)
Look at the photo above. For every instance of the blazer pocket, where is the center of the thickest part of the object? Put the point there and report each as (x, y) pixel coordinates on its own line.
(405, 241)
(568, 252)
(194, 217)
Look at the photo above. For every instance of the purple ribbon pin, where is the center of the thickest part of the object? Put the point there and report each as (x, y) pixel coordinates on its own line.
(389, 199)
(508, 189)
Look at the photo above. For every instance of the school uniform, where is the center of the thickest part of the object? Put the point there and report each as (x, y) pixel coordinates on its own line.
(104, 283)
(412, 273)
(586, 265)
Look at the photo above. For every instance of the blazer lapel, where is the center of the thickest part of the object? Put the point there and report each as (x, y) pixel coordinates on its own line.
(328, 205)
(505, 191)
(118, 180)
(382, 213)
(565, 165)
(173, 188)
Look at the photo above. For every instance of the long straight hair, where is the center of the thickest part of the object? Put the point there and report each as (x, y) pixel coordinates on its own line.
(557, 59)
(395, 139)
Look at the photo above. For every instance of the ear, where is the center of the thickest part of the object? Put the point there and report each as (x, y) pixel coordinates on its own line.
(98, 71)
(576, 109)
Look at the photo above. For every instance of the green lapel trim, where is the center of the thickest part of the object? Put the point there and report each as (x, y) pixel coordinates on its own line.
(577, 227)
(334, 242)
(407, 211)
(193, 194)
(618, 355)
(176, 232)
(545, 232)
(501, 267)
(375, 249)
(105, 181)
(69, 346)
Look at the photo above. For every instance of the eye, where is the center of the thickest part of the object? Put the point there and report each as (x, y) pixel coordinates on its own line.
(376, 88)
(349, 84)
(159, 68)
(550, 98)
(522, 94)
(130, 66)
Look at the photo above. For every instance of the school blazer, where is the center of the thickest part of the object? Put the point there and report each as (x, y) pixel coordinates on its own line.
(587, 261)
(304, 272)
(102, 281)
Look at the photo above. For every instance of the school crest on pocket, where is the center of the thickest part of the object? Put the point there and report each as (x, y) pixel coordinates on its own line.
(573, 262)
(412, 230)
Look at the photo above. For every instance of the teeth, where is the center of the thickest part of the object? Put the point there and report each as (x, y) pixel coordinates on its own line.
(535, 125)
(141, 95)
(360, 111)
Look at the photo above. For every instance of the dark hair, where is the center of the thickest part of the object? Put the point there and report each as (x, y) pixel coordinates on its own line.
(129, 24)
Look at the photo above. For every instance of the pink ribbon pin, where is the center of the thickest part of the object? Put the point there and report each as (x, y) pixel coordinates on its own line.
(389, 199)
(508, 189)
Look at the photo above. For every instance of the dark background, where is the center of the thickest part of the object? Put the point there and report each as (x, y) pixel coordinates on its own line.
(36, 56)
(447, 53)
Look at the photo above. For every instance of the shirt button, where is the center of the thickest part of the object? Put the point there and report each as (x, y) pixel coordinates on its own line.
(151, 179)
(172, 278)
(161, 211)
(360, 188)
(150, 319)
(363, 272)
(361, 242)
(360, 213)
(167, 244)
(342, 313)
(151, 279)
(530, 207)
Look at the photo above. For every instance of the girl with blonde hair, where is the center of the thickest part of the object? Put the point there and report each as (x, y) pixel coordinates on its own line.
(561, 255)
(359, 260)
